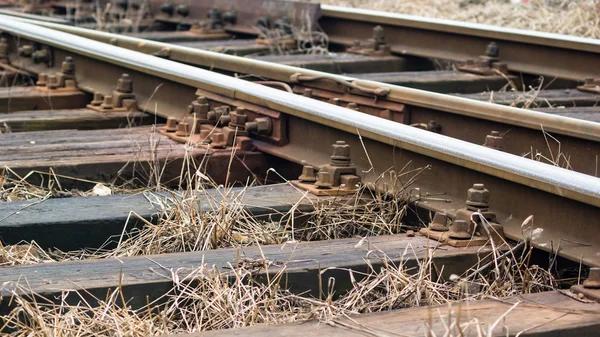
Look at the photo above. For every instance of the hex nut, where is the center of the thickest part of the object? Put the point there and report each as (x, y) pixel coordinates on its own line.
(593, 280)
(340, 154)
(478, 197)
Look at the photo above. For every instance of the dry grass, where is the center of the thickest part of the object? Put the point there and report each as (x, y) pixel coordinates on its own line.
(579, 18)
(206, 299)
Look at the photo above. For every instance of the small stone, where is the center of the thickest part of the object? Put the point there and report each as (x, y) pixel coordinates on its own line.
(101, 190)
(410, 233)
(580, 295)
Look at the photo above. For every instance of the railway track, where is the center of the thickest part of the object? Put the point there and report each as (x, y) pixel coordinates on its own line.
(181, 125)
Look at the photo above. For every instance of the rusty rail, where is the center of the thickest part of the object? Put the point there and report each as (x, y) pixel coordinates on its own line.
(562, 201)
(523, 51)
(578, 138)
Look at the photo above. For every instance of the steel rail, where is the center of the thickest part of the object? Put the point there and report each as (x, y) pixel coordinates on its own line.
(545, 177)
(482, 110)
(563, 197)
(531, 52)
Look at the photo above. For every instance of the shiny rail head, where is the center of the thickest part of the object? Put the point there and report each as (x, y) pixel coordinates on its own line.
(568, 184)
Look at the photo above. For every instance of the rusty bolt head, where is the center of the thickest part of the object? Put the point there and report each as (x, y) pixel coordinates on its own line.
(439, 222)
(494, 140)
(350, 181)
(589, 82)
(171, 125)
(378, 34)
(52, 82)
(107, 103)
(308, 174)
(167, 8)
(183, 129)
(124, 84)
(340, 154)
(593, 280)
(239, 118)
(261, 125)
(43, 80)
(335, 101)
(98, 99)
(230, 16)
(261, 21)
(478, 197)
(492, 50)
(308, 92)
(40, 56)
(459, 230)
(182, 10)
(217, 140)
(434, 126)
(26, 50)
(68, 67)
(324, 180)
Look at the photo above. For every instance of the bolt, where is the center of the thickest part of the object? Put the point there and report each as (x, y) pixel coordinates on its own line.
(352, 106)
(183, 129)
(230, 16)
(225, 120)
(26, 50)
(261, 125)
(478, 198)
(124, 84)
(107, 103)
(492, 50)
(378, 34)
(262, 22)
(308, 174)
(308, 92)
(52, 82)
(39, 56)
(171, 125)
(217, 140)
(340, 154)
(216, 19)
(439, 222)
(42, 80)
(238, 118)
(459, 230)
(182, 10)
(200, 107)
(324, 180)
(350, 181)
(167, 8)
(593, 280)
(494, 140)
(335, 101)
(97, 100)
(434, 126)
(205, 136)
(68, 67)
(589, 82)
